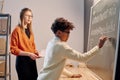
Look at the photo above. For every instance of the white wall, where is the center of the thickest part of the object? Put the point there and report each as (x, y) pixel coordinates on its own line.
(45, 12)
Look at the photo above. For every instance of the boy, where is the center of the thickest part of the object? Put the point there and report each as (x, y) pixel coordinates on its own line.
(58, 51)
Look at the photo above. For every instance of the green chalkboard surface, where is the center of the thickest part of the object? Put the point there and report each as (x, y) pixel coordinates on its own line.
(104, 20)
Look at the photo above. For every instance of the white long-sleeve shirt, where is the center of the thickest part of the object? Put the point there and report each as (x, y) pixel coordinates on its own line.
(56, 54)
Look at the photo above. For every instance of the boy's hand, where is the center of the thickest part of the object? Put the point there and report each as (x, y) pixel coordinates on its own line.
(76, 76)
(102, 40)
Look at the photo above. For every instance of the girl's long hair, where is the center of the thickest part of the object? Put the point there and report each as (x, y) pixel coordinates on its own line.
(29, 26)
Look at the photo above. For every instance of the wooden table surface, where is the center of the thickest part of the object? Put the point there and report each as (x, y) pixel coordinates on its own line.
(88, 73)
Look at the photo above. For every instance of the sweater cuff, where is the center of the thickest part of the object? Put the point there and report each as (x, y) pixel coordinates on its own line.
(67, 73)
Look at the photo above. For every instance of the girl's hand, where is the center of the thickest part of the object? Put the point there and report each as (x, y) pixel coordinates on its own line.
(38, 54)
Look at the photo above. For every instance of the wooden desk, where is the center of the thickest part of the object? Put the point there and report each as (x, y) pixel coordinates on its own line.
(88, 74)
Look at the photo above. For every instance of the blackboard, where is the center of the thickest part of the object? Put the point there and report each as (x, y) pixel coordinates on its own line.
(104, 20)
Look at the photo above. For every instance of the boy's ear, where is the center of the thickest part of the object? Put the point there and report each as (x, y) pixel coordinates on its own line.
(58, 32)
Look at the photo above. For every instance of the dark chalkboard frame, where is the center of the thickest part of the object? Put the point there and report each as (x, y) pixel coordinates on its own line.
(116, 74)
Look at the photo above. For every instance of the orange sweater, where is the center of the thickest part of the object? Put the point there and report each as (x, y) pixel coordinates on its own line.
(20, 42)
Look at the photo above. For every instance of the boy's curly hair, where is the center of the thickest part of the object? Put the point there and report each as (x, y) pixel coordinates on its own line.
(61, 24)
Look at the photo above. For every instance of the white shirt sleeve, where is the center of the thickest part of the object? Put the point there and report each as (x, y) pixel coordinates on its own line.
(68, 52)
(67, 73)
